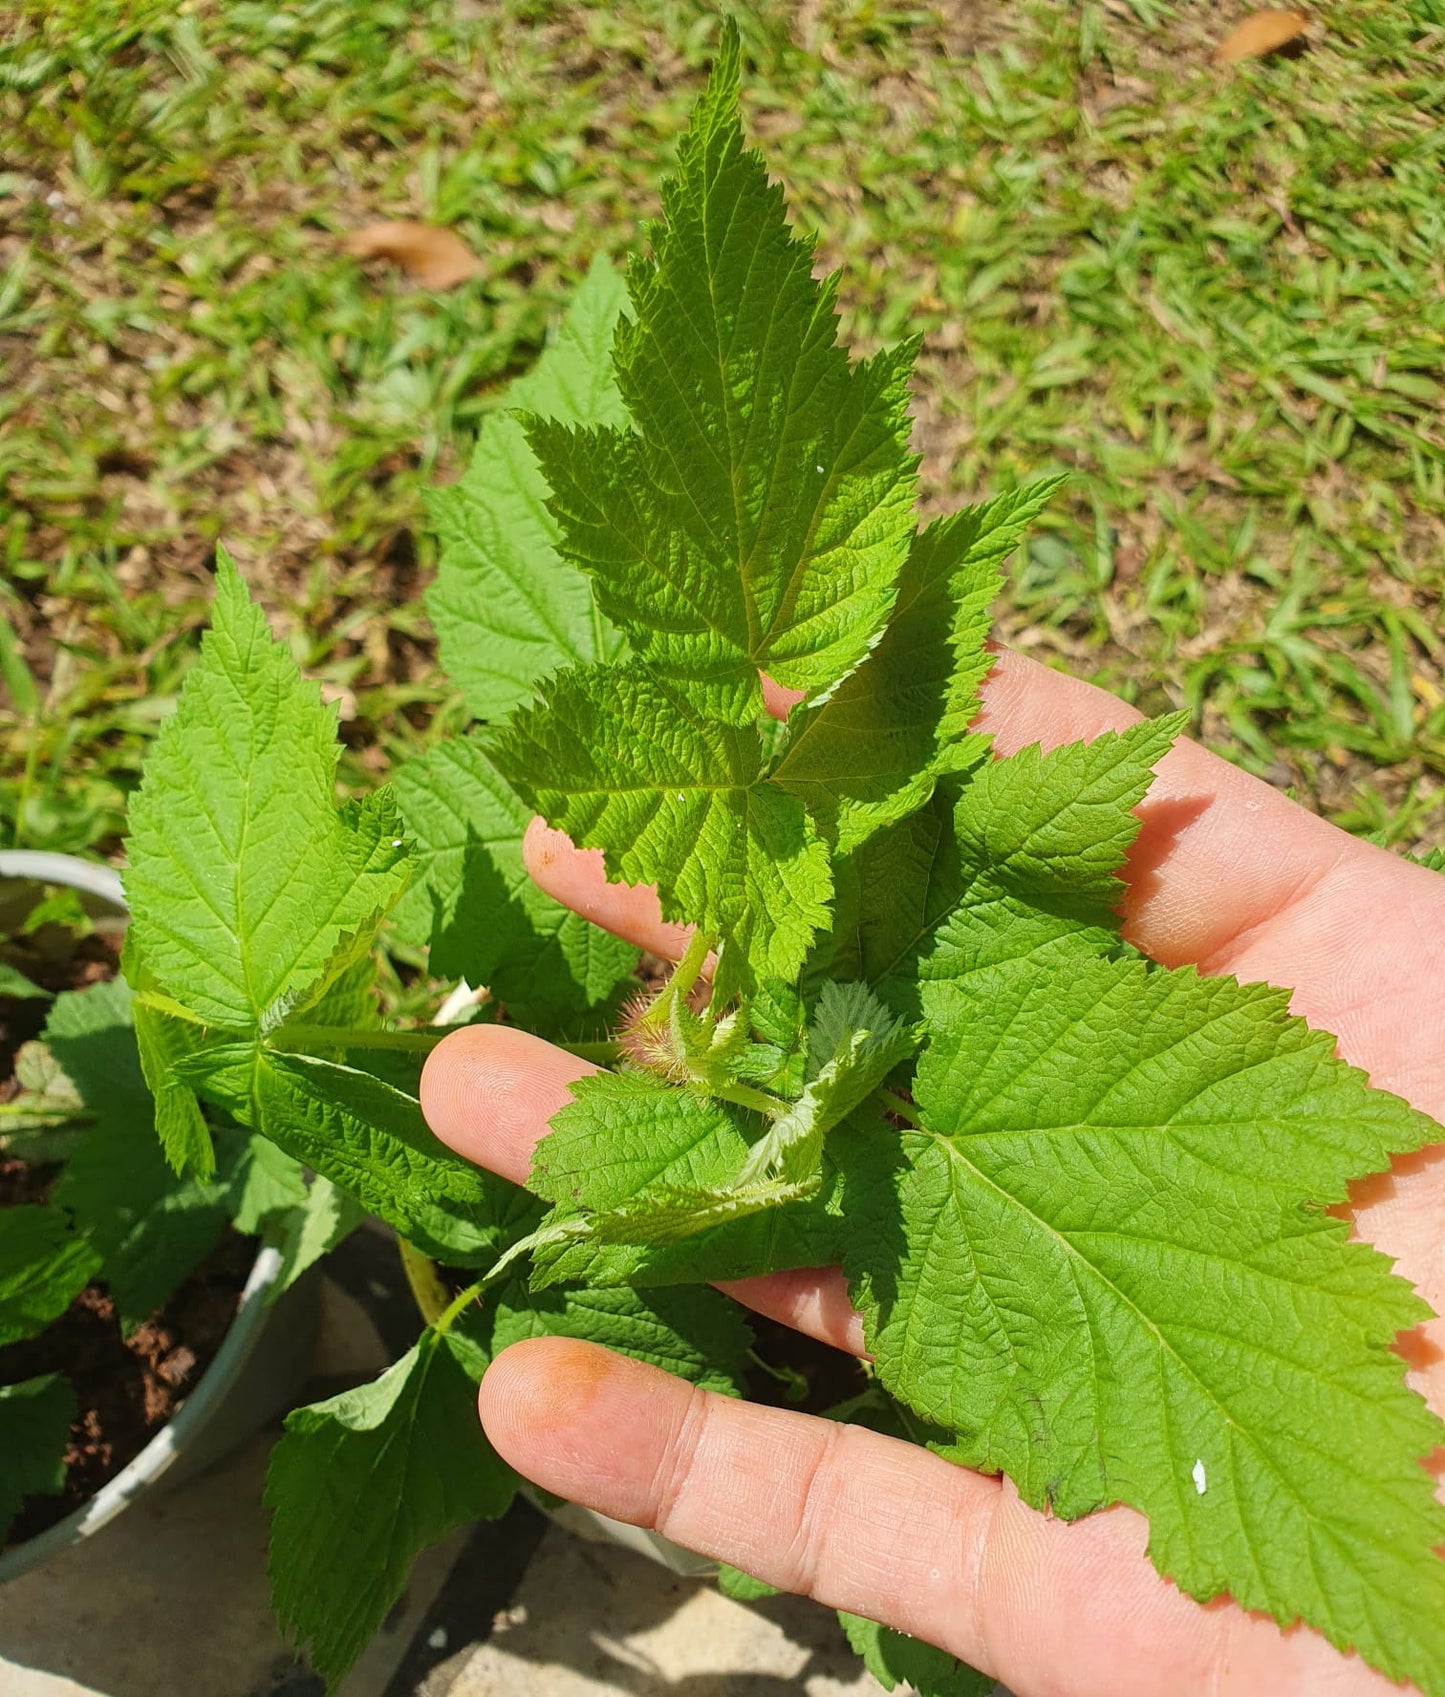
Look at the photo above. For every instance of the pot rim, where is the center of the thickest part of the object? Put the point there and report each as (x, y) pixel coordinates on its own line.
(190, 1418)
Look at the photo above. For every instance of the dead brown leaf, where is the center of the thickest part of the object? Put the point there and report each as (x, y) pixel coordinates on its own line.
(1262, 33)
(436, 258)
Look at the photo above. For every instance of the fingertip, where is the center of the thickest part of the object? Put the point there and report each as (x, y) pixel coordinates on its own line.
(489, 1091)
(572, 1416)
(578, 879)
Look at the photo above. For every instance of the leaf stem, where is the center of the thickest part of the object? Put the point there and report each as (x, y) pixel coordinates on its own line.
(456, 1308)
(744, 1096)
(900, 1107)
(426, 1285)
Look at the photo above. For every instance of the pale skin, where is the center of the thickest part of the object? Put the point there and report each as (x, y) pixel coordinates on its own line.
(1227, 874)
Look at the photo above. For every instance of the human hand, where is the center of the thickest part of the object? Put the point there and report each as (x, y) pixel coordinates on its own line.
(1227, 874)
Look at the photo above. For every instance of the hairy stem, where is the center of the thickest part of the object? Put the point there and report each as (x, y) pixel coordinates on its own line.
(426, 1285)
(456, 1308)
(899, 1106)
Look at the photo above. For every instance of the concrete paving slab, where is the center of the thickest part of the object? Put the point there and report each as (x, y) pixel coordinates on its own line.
(588, 1621)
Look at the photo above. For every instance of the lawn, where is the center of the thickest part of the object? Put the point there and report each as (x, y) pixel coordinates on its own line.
(1215, 297)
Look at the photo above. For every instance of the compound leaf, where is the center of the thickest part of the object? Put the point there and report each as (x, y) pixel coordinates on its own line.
(760, 515)
(244, 874)
(1102, 1260)
(506, 607)
(628, 1134)
(615, 757)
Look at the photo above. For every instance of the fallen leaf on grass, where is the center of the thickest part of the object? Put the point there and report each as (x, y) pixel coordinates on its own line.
(435, 257)
(1261, 34)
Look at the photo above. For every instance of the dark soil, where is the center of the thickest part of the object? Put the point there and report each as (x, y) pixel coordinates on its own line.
(127, 1388)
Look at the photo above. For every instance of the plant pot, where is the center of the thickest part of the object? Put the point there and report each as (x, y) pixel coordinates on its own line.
(264, 1358)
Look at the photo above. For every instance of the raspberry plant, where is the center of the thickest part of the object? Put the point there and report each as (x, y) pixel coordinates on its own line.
(1080, 1198)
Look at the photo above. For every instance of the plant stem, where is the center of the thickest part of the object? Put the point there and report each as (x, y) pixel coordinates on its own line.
(746, 1097)
(687, 971)
(303, 1037)
(425, 1282)
(457, 1307)
(900, 1107)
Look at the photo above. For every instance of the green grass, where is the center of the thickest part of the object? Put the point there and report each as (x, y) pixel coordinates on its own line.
(1217, 299)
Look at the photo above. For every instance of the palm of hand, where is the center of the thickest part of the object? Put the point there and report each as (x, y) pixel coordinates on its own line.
(1226, 874)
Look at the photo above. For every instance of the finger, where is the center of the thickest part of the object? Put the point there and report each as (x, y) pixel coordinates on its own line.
(489, 1091)
(884, 1529)
(578, 879)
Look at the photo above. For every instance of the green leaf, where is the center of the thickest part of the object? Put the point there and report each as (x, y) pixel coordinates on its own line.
(615, 757)
(244, 874)
(505, 606)
(1103, 1262)
(272, 1198)
(1026, 857)
(162, 1039)
(893, 1658)
(35, 1419)
(742, 1587)
(367, 1137)
(760, 516)
(44, 1266)
(472, 901)
(361, 1484)
(305, 1234)
(268, 1183)
(854, 1043)
(628, 1135)
(14, 983)
(690, 1331)
(148, 1227)
(872, 750)
(1433, 860)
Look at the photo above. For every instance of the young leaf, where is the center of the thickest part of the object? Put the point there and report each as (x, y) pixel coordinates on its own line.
(244, 874)
(893, 1658)
(505, 606)
(471, 898)
(43, 1267)
(759, 517)
(663, 1143)
(871, 751)
(148, 1227)
(853, 1045)
(1102, 1261)
(366, 1136)
(616, 757)
(35, 1419)
(361, 1484)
